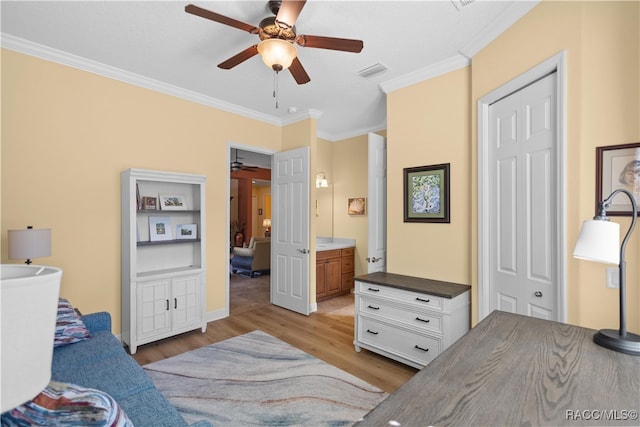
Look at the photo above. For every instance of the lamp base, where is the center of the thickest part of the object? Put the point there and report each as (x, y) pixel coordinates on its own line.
(611, 339)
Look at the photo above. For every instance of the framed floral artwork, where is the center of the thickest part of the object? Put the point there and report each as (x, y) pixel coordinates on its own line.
(426, 193)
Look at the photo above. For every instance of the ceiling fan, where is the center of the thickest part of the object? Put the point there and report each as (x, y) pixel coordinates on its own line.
(237, 165)
(278, 36)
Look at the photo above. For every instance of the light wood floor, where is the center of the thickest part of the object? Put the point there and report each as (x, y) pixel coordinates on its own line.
(327, 334)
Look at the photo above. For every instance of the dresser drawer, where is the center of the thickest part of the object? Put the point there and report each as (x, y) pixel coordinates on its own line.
(377, 307)
(401, 295)
(402, 342)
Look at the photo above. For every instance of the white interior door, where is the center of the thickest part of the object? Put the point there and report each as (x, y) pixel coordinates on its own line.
(377, 175)
(523, 192)
(290, 230)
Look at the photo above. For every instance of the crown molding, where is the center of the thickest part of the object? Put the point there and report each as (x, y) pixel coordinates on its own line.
(64, 58)
(334, 137)
(426, 73)
(302, 115)
(507, 18)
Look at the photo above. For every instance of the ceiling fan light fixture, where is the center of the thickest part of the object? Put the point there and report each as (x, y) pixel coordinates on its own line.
(277, 54)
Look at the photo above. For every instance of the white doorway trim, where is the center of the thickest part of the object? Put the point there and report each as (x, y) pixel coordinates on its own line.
(555, 63)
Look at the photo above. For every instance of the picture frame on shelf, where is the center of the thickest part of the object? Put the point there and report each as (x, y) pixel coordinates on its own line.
(426, 194)
(357, 206)
(187, 231)
(618, 166)
(160, 228)
(149, 203)
(172, 202)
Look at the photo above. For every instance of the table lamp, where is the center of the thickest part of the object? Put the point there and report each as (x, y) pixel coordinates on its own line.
(598, 241)
(29, 243)
(266, 223)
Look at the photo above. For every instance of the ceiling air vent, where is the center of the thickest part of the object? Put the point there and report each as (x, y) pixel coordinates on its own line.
(459, 4)
(372, 70)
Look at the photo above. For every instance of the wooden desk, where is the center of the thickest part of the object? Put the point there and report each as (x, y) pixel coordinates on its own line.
(514, 370)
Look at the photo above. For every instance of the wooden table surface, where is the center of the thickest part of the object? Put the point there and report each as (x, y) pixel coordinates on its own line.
(515, 370)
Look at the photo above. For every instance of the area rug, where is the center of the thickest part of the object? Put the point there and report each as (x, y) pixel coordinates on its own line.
(256, 379)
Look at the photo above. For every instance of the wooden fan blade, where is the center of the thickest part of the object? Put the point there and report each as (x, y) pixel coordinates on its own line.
(346, 45)
(239, 58)
(207, 14)
(289, 11)
(298, 72)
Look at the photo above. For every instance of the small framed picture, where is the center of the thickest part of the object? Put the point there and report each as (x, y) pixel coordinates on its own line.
(149, 203)
(618, 166)
(160, 228)
(172, 202)
(186, 231)
(426, 193)
(357, 206)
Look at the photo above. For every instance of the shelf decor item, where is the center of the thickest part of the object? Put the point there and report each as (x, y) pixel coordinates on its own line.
(618, 166)
(426, 193)
(186, 231)
(172, 202)
(159, 228)
(149, 203)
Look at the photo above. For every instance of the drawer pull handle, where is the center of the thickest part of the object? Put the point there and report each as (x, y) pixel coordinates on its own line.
(373, 308)
(175, 303)
(372, 332)
(422, 320)
(374, 290)
(420, 348)
(167, 305)
(422, 299)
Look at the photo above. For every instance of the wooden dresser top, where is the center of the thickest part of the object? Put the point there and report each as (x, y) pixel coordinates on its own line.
(432, 287)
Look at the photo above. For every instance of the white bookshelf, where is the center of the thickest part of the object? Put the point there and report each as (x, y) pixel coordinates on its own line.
(164, 271)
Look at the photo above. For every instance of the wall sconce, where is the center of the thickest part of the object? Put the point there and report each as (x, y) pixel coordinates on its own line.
(29, 243)
(266, 223)
(598, 241)
(321, 180)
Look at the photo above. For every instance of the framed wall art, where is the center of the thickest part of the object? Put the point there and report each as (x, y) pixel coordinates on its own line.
(618, 166)
(426, 193)
(172, 202)
(186, 231)
(159, 228)
(357, 206)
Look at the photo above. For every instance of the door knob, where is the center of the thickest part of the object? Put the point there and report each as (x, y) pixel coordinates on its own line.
(303, 251)
(373, 259)
(538, 294)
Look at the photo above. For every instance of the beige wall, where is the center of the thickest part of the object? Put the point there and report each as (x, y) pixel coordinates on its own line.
(428, 124)
(67, 135)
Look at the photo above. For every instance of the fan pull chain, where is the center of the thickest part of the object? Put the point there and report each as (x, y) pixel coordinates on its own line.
(275, 86)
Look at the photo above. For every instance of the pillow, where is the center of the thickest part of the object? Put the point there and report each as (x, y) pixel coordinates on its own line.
(69, 327)
(62, 404)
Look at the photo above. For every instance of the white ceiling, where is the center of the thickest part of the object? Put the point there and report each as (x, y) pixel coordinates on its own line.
(157, 45)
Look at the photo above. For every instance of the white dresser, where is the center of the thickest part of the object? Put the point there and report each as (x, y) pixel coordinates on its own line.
(409, 319)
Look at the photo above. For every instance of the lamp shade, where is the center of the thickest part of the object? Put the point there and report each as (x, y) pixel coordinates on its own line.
(266, 222)
(29, 306)
(598, 241)
(277, 54)
(29, 243)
